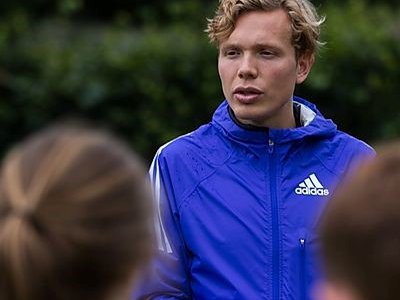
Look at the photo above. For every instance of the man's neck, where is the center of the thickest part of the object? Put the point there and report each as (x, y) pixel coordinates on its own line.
(293, 123)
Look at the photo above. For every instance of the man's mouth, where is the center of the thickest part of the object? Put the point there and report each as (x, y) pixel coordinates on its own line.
(247, 95)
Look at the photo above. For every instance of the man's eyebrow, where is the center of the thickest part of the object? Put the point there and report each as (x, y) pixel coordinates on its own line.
(266, 46)
(230, 45)
(233, 45)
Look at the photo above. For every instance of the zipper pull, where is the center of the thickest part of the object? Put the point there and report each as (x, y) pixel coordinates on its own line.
(270, 146)
(302, 242)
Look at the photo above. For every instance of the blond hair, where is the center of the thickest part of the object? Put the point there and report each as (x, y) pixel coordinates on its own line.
(74, 216)
(305, 22)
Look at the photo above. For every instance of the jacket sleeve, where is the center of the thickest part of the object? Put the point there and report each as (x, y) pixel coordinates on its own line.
(167, 277)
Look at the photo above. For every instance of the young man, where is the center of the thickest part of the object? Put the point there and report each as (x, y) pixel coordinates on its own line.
(360, 233)
(239, 197)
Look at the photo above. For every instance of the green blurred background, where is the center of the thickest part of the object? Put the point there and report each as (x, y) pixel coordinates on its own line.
(145, 67)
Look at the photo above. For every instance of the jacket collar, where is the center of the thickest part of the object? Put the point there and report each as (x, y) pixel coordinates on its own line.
(314, 125)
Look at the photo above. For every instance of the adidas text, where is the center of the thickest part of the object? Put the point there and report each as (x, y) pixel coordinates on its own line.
(311, 191)
(311, 186)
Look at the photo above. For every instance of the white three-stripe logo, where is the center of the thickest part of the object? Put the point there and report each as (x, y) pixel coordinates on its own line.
(311, 186)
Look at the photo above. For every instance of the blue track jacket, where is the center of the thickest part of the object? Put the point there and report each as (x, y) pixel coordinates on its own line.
(238, 208)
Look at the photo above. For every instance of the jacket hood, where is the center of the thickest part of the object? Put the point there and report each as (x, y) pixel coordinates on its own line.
(314, 126)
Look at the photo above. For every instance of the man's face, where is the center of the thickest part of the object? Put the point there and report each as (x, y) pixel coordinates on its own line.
(259, 70)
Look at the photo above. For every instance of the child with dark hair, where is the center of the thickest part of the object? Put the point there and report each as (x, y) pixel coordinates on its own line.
(360, 232)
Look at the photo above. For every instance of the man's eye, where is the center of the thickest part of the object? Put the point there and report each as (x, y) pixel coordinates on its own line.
(231, 53)
(266, 53)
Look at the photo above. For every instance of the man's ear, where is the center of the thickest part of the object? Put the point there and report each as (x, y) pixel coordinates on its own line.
(304, 64)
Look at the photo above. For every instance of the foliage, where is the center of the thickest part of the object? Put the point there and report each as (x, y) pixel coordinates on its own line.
(135, 13)
(356, 78)
(150, 85)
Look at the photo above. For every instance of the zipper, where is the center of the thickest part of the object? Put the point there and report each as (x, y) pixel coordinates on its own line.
(302, 242)
(275, 223)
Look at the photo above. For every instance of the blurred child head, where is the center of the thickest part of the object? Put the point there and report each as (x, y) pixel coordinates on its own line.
(360, 233)
(74, 216)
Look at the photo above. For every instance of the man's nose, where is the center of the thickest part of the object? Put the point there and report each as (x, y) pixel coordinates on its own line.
(247, 68)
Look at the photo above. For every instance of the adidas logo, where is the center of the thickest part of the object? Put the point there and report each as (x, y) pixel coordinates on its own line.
(311, 186)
